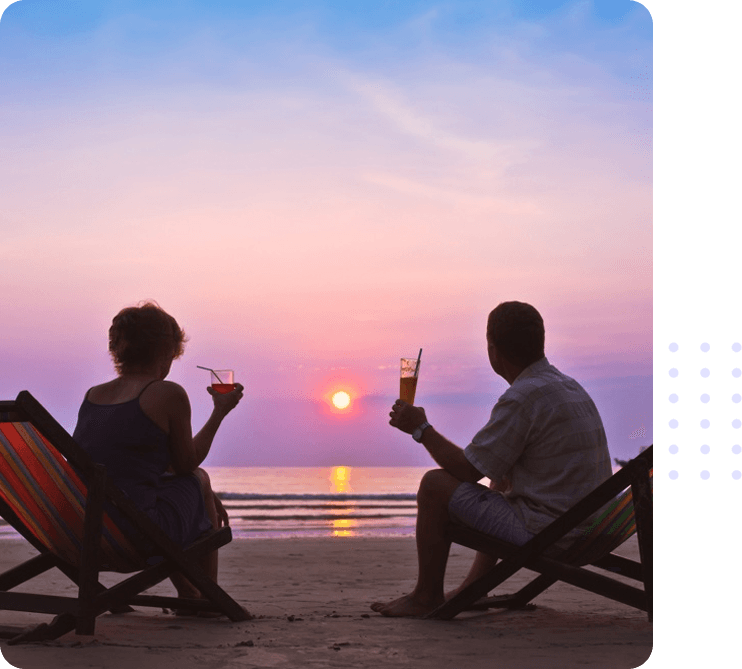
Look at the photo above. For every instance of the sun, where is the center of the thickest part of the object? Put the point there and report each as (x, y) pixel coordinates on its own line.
(341, 399)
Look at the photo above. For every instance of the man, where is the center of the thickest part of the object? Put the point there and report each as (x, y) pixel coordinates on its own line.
(544, 448)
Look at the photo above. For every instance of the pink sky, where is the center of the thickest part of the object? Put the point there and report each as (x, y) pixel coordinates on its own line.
(310, 227)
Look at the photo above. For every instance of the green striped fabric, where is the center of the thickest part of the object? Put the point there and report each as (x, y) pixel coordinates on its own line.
(48, 497)
(614, 525)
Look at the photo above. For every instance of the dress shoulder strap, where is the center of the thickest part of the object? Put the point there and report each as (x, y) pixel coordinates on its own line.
(147, 386)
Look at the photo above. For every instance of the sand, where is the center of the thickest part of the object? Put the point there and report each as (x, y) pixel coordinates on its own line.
(311, 598)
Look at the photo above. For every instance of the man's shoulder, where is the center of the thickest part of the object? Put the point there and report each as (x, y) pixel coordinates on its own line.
(543, 381)
(538, 375)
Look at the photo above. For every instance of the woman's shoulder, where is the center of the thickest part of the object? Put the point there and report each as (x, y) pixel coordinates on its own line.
(166, 390)
(104, 393)
(163, 401)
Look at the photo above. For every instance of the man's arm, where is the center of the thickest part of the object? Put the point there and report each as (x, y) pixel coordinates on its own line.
(448, 455)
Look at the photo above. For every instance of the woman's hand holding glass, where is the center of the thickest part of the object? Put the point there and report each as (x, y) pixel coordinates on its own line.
(225, 402)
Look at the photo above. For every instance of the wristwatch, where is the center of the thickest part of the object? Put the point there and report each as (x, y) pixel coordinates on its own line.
(417, 435)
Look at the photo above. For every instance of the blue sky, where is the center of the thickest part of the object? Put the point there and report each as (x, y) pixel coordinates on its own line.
(317, 189)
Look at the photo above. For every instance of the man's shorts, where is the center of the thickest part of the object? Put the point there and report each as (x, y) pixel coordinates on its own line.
(486, 510)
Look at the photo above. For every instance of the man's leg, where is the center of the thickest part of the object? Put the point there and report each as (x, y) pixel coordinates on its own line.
(433, 545)
(482, 563)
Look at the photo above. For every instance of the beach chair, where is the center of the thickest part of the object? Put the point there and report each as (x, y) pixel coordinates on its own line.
(62, 513)
(625, 505)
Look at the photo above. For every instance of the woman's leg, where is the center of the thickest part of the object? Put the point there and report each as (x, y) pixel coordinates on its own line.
(210, 561)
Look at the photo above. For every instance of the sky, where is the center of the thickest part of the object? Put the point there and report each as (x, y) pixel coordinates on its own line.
(316, 189)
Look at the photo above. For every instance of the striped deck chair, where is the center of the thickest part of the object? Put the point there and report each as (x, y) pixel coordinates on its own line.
(63, 515)
(624, 503)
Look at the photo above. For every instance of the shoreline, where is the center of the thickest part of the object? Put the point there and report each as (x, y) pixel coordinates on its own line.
(311, 599)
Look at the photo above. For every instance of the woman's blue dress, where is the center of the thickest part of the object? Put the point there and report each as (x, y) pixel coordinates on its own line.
(135, 453)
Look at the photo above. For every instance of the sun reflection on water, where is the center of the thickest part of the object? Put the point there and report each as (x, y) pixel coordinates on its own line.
(340, 483)
(340, 479)
(343, 527)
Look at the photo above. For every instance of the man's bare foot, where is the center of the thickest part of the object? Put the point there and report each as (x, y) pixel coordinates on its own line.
(189, 593)
(406, 607)
(454, 592)
(378, 606)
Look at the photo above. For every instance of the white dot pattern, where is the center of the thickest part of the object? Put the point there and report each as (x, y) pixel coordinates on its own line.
(705, 398)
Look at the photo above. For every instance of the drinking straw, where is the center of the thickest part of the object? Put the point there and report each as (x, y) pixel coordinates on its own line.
(417, 366)
(208, 369)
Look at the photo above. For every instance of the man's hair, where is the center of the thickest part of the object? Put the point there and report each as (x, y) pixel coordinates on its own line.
(141, 335)
(517, 331)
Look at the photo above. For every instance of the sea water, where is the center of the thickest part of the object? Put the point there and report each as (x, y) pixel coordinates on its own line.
(340, 501)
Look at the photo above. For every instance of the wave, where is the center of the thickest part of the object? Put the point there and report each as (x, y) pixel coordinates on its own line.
(323, 497)
(322, 517)
(318, 505)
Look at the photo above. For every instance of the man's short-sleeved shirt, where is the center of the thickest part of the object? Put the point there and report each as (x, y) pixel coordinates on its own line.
(545, 434)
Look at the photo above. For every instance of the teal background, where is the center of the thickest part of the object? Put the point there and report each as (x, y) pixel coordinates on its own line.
(697, 241)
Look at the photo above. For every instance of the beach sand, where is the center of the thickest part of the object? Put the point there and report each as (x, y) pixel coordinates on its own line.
(311, 598)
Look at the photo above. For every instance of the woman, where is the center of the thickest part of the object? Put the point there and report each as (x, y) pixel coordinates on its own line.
(139, 426)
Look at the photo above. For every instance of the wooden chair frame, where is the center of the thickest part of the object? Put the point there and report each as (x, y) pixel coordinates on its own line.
(537, 554)
(80, 612)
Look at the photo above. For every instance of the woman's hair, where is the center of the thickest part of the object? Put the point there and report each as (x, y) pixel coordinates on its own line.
(517, 330)
(141, 335)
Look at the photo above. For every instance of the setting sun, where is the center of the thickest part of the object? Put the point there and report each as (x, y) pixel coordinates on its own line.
(341, 399)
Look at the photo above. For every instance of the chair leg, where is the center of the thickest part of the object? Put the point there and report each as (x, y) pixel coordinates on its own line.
(74, 575)
(641, 492)
(26, 571)
(90, 558)
(531, 591)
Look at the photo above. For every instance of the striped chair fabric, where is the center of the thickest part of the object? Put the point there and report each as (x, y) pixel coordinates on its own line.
(46, 494)
(614, 525)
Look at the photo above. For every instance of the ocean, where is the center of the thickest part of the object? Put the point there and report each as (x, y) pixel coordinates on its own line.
(300, 502)
(283, 502)
(296, 502)
(320, 501)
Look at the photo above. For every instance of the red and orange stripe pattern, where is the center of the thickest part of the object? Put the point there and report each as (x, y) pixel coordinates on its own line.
(46, 494)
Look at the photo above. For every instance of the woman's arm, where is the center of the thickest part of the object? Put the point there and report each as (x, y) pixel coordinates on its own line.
(186, 450)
